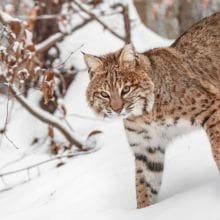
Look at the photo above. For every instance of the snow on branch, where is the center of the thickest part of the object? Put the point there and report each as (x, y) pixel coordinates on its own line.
(6, 18)
(93, 16)
(47, 118)
(53, 39)
(49, 42)
(19, 64)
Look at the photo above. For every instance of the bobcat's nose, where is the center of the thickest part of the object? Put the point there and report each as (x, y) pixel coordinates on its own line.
(116, 105)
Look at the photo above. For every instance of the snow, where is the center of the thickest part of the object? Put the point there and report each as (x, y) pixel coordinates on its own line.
(7, 18)
(48, 41)
(101, 185)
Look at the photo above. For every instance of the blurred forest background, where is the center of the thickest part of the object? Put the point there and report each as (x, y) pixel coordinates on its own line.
(170, 18)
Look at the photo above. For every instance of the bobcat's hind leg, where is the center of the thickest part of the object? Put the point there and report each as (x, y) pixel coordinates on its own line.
(149, 169)
(212, 127)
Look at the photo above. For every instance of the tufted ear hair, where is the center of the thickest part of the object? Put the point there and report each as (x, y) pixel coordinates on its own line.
(128, 56)
(92, 62)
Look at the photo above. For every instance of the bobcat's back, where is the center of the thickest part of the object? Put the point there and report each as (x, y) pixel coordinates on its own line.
(200, 46)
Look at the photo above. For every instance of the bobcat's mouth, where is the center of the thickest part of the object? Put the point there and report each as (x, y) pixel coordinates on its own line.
(123, 114)
(115, 115)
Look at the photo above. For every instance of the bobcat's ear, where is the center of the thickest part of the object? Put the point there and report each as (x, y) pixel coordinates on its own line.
(128, 56)
(92, 62)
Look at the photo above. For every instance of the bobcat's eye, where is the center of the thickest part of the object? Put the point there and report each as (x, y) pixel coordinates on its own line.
(105, 94)
(125, 90)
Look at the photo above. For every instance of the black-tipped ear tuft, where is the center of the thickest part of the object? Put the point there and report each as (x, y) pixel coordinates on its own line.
(128, 56)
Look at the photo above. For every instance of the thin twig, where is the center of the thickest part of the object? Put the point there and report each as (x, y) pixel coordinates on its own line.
(47, 120)
(74, 154)
(12, 162)
(127, 24)
(7, 188)
(61, 64)
(126, 18)
(10, 140)
(3, 181)
(44, 17)
(68, 124)
(93, 16)
(6, 122)
(7, 105)
(52, 40)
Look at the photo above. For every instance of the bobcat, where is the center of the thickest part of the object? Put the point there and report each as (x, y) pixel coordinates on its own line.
(162, 93)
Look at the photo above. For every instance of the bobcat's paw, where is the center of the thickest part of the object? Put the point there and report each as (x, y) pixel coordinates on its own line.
(143, 200)
(142, 204)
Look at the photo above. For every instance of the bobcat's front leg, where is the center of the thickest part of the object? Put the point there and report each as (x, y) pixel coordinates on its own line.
(148, 145)
(149, 168)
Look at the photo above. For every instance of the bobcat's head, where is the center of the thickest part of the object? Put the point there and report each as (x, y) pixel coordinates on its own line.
(120, 84)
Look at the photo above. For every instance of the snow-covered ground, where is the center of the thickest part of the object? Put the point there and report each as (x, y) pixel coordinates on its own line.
(101, 185)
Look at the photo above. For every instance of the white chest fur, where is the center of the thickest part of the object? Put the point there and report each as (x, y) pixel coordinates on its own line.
(155, 134)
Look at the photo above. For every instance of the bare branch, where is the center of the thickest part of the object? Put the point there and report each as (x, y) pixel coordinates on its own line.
(6, 18)
(93, 16)
(52, 40)
(127, 24)
(126, 18)
(9, 139)
(49, 42)
(61, 64)
(7, 112)
(3, 131)
(45, 117)
(37, 165)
